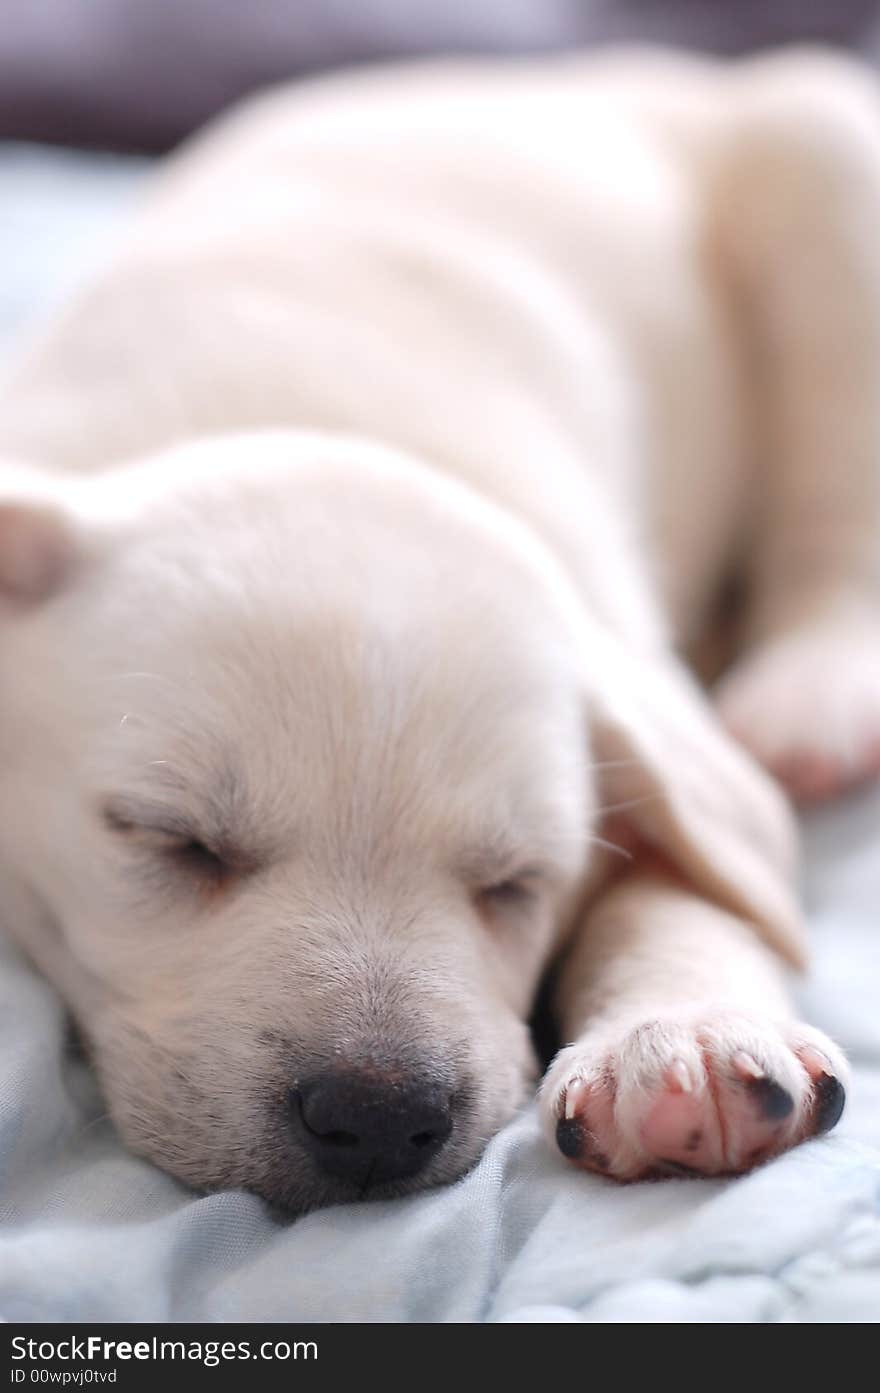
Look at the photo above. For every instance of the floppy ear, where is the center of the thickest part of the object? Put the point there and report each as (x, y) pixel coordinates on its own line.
(37, 545)
(685, 789)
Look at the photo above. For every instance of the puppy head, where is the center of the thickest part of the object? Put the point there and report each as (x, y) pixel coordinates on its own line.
(295, 776)
(299, 795)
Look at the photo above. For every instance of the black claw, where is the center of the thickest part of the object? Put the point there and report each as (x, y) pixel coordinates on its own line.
(830, 1099)
(578, 1144)
(570, 1137)
(774, 1101)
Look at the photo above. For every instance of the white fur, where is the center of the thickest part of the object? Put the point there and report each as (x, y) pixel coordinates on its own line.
(403, 441)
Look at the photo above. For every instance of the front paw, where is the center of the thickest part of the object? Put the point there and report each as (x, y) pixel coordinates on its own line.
(715, 1096)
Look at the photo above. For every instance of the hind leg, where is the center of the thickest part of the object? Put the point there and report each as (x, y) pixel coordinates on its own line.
(797, 210)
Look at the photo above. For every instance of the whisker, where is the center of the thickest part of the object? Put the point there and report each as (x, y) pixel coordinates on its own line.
(87, 1127)
(150, 676)
(630, 803)
(612, 846)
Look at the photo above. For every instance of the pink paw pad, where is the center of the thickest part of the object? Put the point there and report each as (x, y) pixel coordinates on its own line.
(720, 1112)
(682, 1129)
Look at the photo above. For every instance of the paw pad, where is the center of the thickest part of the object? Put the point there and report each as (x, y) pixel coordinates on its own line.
(729, 1096)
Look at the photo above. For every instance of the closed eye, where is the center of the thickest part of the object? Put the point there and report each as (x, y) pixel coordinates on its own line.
(197, 859)
(517, 892)
(166, 837)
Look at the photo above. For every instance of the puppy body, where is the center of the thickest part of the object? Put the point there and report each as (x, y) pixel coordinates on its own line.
(526, 348)
(537, 234)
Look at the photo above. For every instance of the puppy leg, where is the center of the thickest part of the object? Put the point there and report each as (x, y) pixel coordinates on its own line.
(796, 214)
(686, 1057)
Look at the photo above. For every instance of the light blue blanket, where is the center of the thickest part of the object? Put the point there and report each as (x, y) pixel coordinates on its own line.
(89, 1232)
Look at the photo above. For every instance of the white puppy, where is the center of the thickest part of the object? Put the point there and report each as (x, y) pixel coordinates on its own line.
(349, 530)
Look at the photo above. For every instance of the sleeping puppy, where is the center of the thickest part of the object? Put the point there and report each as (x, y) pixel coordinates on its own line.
(352, 528)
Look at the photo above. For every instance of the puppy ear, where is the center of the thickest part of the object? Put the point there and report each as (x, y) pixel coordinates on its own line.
(685, 789)
(37, 548)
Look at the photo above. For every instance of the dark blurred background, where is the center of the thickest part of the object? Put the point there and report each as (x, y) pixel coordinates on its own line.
(139, 74)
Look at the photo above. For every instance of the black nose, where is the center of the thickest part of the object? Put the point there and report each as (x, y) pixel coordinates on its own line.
(369, 1128)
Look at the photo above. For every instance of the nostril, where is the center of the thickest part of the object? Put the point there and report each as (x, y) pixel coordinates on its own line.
(423, 1139)
(338, 1138)
(358, 1124)
(329, 1136)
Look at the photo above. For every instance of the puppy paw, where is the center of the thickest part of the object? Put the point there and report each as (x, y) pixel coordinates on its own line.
(714, 1097)
(808, 707)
